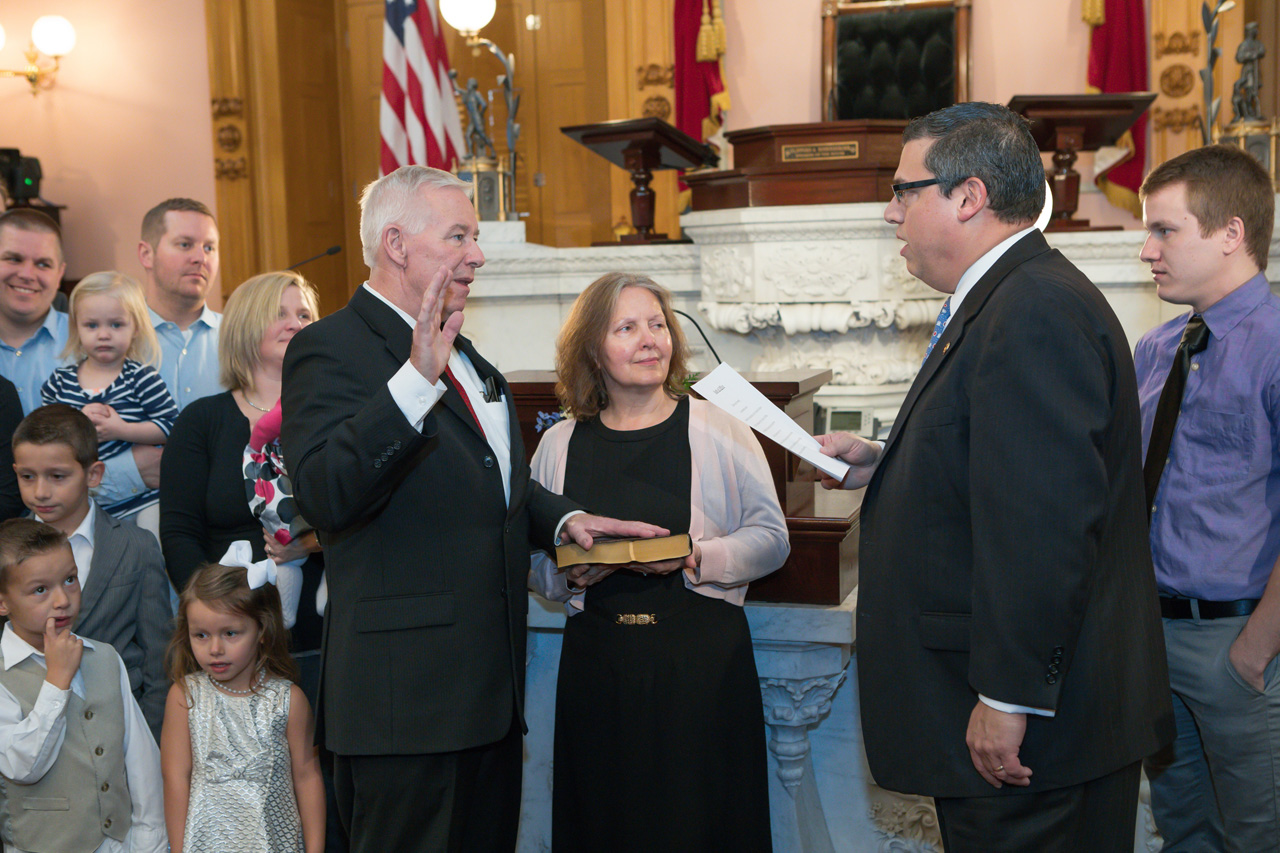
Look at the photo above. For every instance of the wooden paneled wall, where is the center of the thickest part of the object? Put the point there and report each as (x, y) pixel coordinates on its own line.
(277, 116)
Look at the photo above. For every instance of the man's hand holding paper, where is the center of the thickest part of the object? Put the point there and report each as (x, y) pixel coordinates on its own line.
(861, 454)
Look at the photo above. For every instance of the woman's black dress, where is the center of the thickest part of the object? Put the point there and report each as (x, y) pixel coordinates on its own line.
(660, 739)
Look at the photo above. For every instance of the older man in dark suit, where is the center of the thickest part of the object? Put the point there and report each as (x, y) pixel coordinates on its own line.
(405, 452)
(1009, 649)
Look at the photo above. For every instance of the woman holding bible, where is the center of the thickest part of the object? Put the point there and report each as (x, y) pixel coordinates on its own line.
(660, 740)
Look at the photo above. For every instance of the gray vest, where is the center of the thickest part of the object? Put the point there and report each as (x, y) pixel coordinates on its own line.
(84, 795)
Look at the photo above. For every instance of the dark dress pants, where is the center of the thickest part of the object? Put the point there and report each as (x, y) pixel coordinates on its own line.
(466, 801)
(1098, 816)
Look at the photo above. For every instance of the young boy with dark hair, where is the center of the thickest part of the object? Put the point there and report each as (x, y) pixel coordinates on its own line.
(79, 768)
(125, 598)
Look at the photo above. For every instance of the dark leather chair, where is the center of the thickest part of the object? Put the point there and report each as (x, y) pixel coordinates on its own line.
(893, 59)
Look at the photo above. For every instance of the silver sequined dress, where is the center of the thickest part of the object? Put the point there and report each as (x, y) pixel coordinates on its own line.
(241, 777)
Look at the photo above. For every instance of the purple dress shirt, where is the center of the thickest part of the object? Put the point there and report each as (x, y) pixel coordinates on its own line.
(1215, 523)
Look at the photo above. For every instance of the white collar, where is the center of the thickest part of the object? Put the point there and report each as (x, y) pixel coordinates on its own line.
(404, 315)
(86, 526)
(208, 316)
(980, 267)
(16, 650)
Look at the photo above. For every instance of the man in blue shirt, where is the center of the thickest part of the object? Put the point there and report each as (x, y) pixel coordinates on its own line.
(32, 333)
(1213, 477)
(178, 251)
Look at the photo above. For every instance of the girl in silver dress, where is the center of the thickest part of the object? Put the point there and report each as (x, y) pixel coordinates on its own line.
(240, 772)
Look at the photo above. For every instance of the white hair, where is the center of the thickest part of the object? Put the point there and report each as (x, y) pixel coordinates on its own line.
(392, 200)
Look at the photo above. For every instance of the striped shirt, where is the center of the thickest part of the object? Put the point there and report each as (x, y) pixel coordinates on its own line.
(138, 395)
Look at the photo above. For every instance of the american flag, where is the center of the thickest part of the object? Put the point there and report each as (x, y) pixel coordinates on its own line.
(419, 117)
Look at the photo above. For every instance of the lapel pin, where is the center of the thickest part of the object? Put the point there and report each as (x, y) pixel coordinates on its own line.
(946, 347)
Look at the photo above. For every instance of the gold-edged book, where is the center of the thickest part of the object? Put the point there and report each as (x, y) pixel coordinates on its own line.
(615, 552)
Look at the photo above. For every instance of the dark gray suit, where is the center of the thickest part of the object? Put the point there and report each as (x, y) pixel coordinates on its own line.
(1004, 544)
(126, 603)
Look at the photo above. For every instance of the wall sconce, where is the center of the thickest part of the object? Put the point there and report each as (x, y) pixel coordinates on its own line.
(54, 37)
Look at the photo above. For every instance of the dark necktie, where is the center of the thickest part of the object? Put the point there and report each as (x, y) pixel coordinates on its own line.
(1194, 339)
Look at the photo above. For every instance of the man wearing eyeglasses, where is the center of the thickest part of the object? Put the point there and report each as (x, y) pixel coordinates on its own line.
(1010, 657)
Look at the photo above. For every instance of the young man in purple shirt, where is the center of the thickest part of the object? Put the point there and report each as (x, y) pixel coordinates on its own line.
(1215, 501)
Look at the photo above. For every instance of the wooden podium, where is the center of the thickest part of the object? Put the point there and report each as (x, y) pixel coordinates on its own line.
(643, 146)
(823, 566)
(835, 162)
(1069, 124)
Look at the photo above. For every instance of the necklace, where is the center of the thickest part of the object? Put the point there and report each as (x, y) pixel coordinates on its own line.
(232, 690)
(251, 403)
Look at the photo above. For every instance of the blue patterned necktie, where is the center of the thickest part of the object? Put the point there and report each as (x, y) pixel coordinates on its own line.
(943, 316)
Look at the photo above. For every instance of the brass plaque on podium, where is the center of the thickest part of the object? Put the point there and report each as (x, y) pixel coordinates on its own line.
(823, 151)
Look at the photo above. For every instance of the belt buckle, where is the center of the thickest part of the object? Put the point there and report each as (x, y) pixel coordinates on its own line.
(636, 619)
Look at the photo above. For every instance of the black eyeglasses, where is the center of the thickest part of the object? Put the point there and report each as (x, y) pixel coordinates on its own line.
(899, 189)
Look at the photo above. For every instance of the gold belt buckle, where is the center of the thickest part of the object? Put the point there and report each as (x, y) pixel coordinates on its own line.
(636, 619)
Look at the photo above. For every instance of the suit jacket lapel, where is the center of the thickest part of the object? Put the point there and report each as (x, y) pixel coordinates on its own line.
(105, 561)
(1019, 253)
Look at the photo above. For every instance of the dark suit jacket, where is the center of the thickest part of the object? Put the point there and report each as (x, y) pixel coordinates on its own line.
(125, 603)
(424, 645)
(10, 416)
(1004, 544)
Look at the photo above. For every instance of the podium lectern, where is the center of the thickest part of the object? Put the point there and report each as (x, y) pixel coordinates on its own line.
(643, 146)
(1069, 124)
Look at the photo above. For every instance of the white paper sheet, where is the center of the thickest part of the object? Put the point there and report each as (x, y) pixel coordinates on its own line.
(725, 388)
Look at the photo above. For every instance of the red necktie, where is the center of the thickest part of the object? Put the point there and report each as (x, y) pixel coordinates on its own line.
(457, 386)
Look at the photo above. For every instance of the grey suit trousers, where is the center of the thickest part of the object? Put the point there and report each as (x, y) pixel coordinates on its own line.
(1217, 786)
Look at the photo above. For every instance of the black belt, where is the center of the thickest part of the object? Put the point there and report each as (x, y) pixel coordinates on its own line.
(1180, 608)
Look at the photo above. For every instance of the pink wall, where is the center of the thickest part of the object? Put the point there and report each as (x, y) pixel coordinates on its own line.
(1020, 47)
(127, 125)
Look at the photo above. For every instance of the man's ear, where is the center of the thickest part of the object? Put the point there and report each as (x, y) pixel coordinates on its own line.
(1233, 236)
(146, 255)
(393, 245)
(973, 198)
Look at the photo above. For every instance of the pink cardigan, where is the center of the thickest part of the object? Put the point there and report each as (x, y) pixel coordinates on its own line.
(734, 512)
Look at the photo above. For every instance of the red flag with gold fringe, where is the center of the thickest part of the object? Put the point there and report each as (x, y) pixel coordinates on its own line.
(1118, 63)
(698, 78)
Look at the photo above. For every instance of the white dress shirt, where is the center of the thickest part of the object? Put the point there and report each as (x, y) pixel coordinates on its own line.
(82, 545)
(29, 746)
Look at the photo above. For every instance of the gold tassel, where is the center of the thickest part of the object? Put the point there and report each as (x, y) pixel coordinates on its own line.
(1094, 12)
(721, 40)
(706, 48)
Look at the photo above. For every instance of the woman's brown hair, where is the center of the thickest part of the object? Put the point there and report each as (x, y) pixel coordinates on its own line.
(580, 384)
(226, 588)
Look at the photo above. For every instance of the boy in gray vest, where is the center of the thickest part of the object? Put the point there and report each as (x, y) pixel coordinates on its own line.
(79, 768)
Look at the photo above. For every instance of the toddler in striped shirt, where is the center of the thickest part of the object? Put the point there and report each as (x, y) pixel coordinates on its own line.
(113, 378)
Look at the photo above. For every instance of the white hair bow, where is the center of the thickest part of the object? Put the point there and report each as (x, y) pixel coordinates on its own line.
(241, 554)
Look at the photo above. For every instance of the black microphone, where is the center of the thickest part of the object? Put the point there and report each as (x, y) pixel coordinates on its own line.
(332, 250)
(714, 354)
